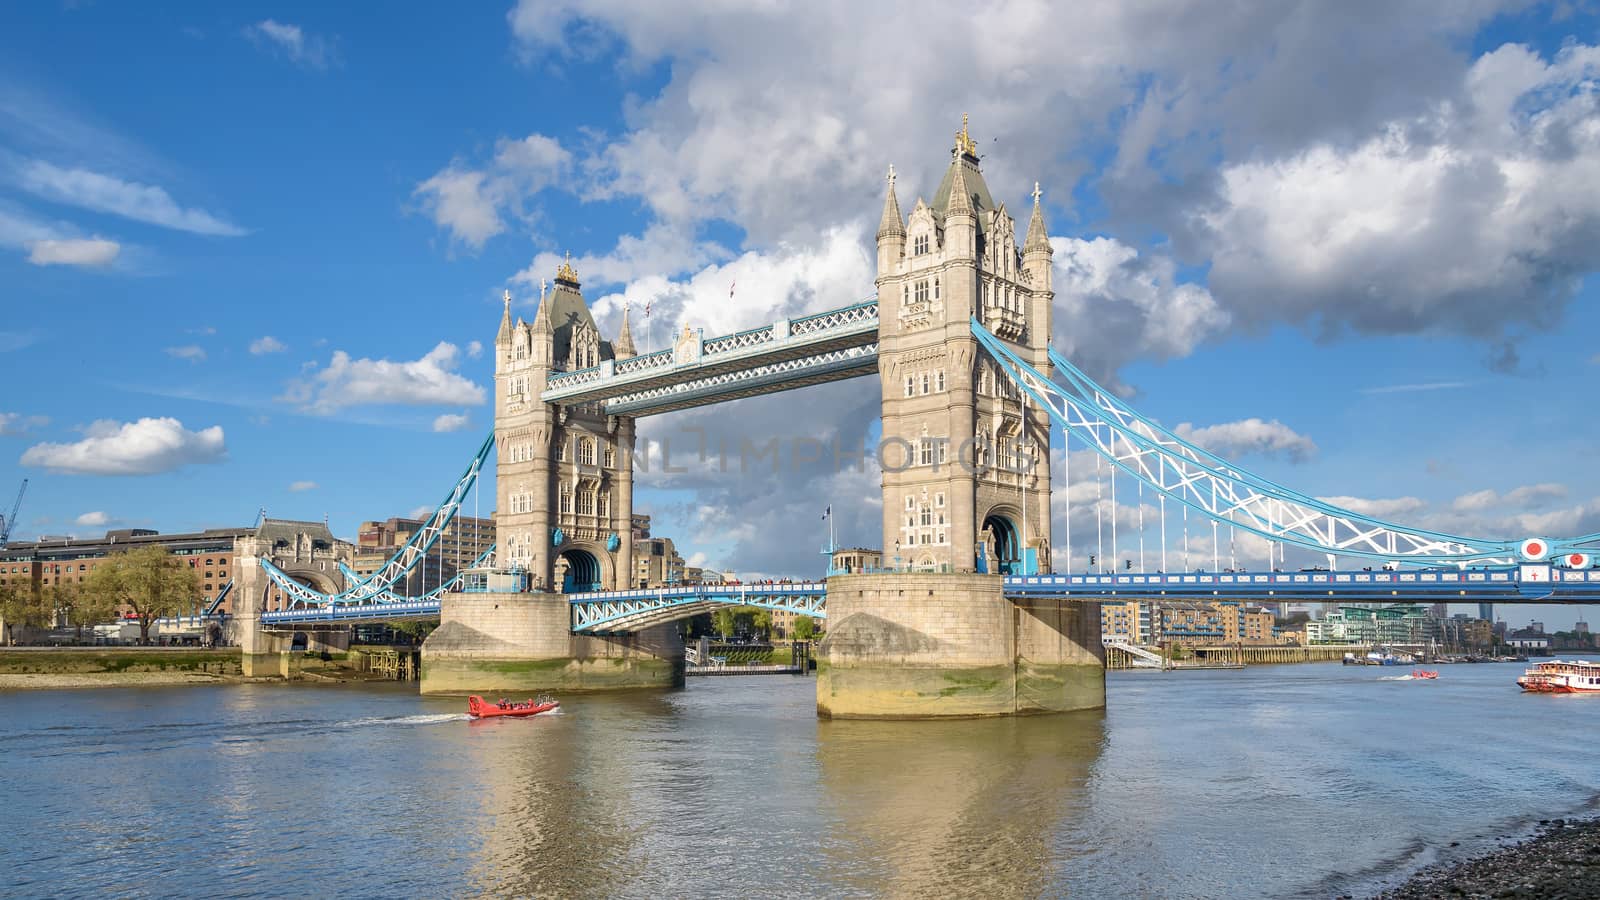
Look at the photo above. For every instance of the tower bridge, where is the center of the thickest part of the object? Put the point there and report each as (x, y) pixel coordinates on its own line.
(978, 621)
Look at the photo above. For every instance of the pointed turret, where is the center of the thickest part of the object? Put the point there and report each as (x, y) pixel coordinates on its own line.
(891, 224)
(1038, 236)
(503, 337)
(624, 348)
(960, 195)
(541, 319)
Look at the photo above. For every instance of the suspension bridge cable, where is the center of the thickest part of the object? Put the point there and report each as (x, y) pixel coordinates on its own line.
(1163, 498)
(1099, 511)
(1116, 547)
(1141, 528)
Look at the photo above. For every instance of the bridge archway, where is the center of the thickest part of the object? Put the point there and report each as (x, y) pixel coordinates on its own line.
(581, 571)
(1002, 543)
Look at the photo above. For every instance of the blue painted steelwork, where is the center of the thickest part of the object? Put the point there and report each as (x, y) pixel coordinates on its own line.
(827, 346)
(607, 611)
(1512, 584)
(405, 559)
(353, 614)
(1200, 480)
(216, 602)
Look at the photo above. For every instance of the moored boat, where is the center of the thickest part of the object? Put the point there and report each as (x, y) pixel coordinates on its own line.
(1578, 676)
(479, 708)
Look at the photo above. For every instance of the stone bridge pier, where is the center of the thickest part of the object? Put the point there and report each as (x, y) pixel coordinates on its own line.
(305, 551)
(917, 646)
(506, 643)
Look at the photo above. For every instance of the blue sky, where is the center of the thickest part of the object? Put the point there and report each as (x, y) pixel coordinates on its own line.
(257, 243)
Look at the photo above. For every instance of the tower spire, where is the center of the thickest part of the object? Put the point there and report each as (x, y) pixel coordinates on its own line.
(504, 335)
(623, 348)
(960, 202)
(1038, 236)
(891, 223)
(541, 319)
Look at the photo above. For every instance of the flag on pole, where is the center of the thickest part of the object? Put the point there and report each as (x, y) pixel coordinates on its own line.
(828, 512)
(647, 306)
(730, 289)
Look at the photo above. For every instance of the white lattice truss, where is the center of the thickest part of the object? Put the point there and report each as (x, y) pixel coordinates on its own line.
(818, 328)
(1231, 496)
(632, 611)
(486, 558)
(783, 372)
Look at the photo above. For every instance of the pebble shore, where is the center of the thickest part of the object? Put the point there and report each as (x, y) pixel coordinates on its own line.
(1561, 862)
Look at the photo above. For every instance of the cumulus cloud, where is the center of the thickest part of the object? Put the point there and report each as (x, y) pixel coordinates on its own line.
(297, 487)
(1114, 304)
(1250, 436)
(474, 349)
(451, 422)
(108, 194)
(1387, 508)
(87, 252)
(470, 202)
(190, 352)
(145, 447)
(305, 50)
(13, 424)
(267, 344)
(346, 382)
(93, 519)
(1458, 218)
(1524, 497)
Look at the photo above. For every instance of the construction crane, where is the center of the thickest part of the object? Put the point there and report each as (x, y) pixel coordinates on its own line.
(9, 522)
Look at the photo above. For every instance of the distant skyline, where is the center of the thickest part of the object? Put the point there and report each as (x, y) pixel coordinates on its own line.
(252, 256)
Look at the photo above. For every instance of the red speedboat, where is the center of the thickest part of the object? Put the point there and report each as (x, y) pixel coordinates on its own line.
(479, 708)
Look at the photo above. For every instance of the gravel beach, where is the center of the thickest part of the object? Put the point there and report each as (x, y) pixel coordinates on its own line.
(69, 681)
(1561, 862)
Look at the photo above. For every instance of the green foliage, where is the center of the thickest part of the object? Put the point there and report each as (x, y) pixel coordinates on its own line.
(762, 623)
(82, 608)
(19, 606)
(805, 628)
(149, 581)
(723, 620)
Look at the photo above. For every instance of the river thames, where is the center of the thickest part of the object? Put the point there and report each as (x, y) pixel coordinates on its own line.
(1272, 781)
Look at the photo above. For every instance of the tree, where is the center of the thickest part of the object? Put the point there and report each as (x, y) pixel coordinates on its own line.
(762, 622)
(722, 621)
(805, 628)
(21, 608)
(84, 609)
(149, 581)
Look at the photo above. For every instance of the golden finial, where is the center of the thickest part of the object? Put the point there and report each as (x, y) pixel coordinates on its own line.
(964, 142)
(566, 272)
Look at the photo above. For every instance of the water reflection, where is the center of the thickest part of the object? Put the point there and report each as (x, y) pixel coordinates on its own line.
(935, 808)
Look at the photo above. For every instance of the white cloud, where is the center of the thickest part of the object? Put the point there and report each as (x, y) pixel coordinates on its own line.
(1113, 305)
(355, 382)
(189, 352)
(93, 519)
(109, 194)
(1517, 498)
(145, 447)
(1459, 218)
(420, 512)
(1389, 509)
(300, 486)
(305, 50)
(267, 344)
(13, 424)
(451, 422)
(469, 202)
(474, 349)
(1252, 435)
(1414, 388)
(89, 252)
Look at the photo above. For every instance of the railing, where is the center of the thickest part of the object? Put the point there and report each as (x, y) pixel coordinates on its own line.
(660, 359)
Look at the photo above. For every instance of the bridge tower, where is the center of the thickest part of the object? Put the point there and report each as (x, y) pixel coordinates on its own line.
(966, 481)
(966, 467)
(564, 474)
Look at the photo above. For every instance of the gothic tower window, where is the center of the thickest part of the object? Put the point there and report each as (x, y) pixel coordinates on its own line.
(611, 456)
(921, 293)
(941, 381)
(561, 450)
(936, 289)
(926, 382)
(920, 245)
(605, 504)
(566, 501)
(586, 503)
(585, 451)
(911, 386)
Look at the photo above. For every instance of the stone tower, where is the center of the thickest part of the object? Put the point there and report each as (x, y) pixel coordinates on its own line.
(966, 466)
(564, 475)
